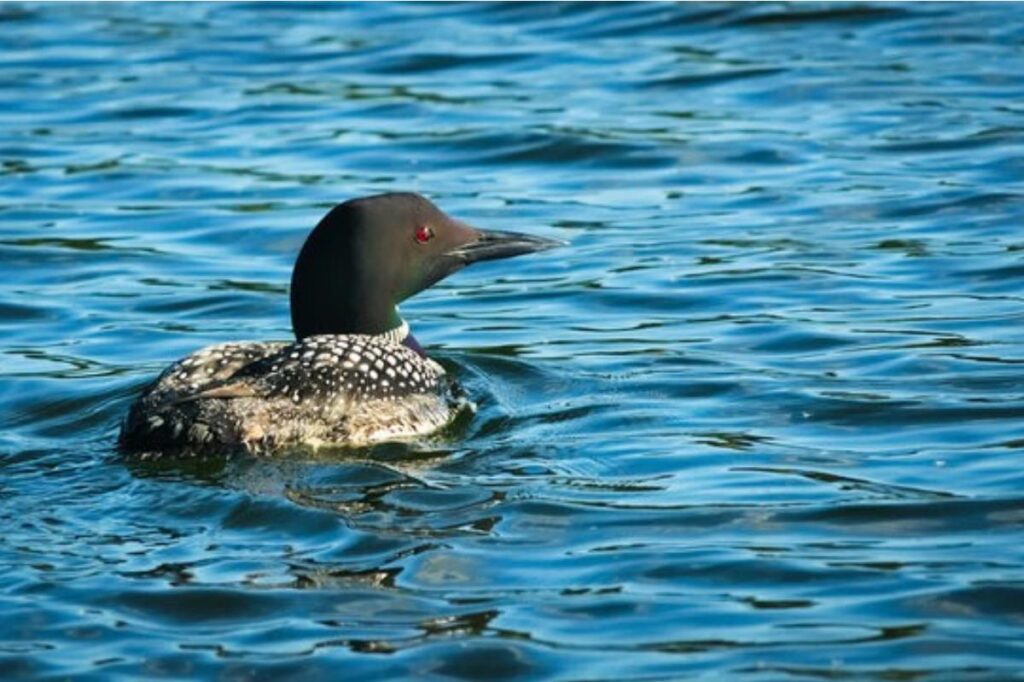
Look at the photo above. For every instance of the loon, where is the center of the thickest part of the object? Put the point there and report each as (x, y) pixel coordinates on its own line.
(354, 375)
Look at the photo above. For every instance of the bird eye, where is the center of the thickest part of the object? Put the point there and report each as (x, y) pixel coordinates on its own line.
(424, 234)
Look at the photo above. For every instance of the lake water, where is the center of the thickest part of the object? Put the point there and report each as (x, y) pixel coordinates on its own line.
(763, 419)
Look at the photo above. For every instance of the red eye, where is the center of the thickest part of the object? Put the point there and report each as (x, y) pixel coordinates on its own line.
(424, 234)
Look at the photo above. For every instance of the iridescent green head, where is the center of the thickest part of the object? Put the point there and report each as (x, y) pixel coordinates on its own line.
(368, 255)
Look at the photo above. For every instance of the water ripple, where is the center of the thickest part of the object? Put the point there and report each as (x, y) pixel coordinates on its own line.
(761, 419)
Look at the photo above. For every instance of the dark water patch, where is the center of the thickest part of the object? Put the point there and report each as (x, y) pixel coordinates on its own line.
(151, 112)
(438, 62)
(616, 21)
(994, 136)
(547, 147)
(1012, 273)
(991, 599)
(952, 204)
(957, 517)
(838, 13)
(873, 413)
(81, 244)
(184, 605)
(702, 80)
(851, 483)
(96, 167)
(801, 343)
(14, 313)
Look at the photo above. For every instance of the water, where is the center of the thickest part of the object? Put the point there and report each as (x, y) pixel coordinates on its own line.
(762, 420)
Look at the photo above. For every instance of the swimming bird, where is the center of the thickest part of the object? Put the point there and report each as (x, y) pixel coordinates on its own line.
(354, 375)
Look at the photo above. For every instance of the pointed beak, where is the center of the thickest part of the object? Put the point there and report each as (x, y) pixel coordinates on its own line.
(492, 244)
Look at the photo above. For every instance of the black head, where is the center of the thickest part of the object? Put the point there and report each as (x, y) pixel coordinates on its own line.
(368, 255)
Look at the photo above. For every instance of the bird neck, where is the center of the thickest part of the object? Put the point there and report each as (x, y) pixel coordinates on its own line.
(397, 334)
(331, 315)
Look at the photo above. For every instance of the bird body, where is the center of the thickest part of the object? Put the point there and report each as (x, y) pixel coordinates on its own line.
(348, 379)
(346, 389)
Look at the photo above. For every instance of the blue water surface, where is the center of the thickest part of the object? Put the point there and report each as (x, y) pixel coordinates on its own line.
(762, 420)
